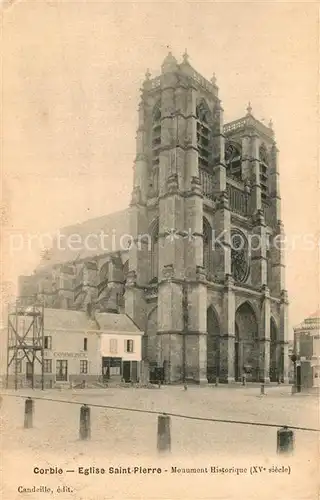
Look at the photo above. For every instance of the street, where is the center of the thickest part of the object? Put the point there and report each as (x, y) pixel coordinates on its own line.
(125, 439)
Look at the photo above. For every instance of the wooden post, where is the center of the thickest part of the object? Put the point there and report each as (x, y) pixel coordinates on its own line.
(285, 440)
(28, 413)
(85, 423)
(164, 433)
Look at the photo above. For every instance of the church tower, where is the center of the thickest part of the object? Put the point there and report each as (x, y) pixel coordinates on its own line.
(206, 271)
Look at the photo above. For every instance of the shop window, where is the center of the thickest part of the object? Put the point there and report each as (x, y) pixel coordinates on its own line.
(62, 370)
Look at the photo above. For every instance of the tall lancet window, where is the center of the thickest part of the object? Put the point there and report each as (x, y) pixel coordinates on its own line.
(207, 247)
(78, 282)
(78, 287)
(120, 297)
(233, 160)
(125, 271)
(264, 162)
(154, 260)
(79, 277)
(204, 122)
(156, 144)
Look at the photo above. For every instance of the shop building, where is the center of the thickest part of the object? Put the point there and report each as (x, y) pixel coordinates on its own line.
(78, 349)
(307, 352)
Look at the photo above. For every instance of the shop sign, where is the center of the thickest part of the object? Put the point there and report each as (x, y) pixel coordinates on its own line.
(70, 354)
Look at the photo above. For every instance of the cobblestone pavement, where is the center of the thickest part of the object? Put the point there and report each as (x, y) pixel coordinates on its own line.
(128, 439)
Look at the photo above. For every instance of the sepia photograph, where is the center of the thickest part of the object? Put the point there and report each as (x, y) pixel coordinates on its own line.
(160, 233)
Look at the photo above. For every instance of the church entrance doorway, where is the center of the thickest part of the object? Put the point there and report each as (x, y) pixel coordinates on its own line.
(246, 359)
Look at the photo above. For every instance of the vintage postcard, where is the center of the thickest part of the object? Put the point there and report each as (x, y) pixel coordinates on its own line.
(160, 318)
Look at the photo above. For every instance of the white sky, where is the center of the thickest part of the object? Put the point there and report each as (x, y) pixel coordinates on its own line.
(71, 78)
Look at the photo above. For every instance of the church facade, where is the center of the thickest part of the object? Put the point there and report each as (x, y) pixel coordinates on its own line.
(202, 274)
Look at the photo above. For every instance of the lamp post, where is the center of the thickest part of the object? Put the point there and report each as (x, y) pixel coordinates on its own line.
(294, 359)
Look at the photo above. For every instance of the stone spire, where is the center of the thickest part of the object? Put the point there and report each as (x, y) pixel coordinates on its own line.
(213, 79)
(185, 57)
(249, 109)
(169, 64)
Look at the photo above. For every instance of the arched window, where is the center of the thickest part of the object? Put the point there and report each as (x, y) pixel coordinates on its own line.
(233, 160)
(156, 133)
(78, 282)
(204, 121)
(239, 256)
(103, 277)
(264, 162)
(157, 114)
(120, 295)
(207, 247)
(125, 270)
(154, 252)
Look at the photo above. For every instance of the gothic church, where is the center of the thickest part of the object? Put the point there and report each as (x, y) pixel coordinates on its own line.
(211, 303)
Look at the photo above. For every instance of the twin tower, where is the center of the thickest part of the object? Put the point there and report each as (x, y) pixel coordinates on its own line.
(206, 273)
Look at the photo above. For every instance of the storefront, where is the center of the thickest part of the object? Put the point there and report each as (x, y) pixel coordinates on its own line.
(75, 354)
(119, 369)
(121, 356)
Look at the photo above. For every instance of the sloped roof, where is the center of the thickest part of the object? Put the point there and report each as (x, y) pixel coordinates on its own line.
(116, 323)
(312, 322)
(64, 319)
(113, 227)
(67, 319)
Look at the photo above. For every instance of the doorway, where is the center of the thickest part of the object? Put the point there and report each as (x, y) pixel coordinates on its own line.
(126, 371)
(246, 359)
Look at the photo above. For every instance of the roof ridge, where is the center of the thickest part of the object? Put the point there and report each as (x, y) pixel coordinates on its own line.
(95, 218)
